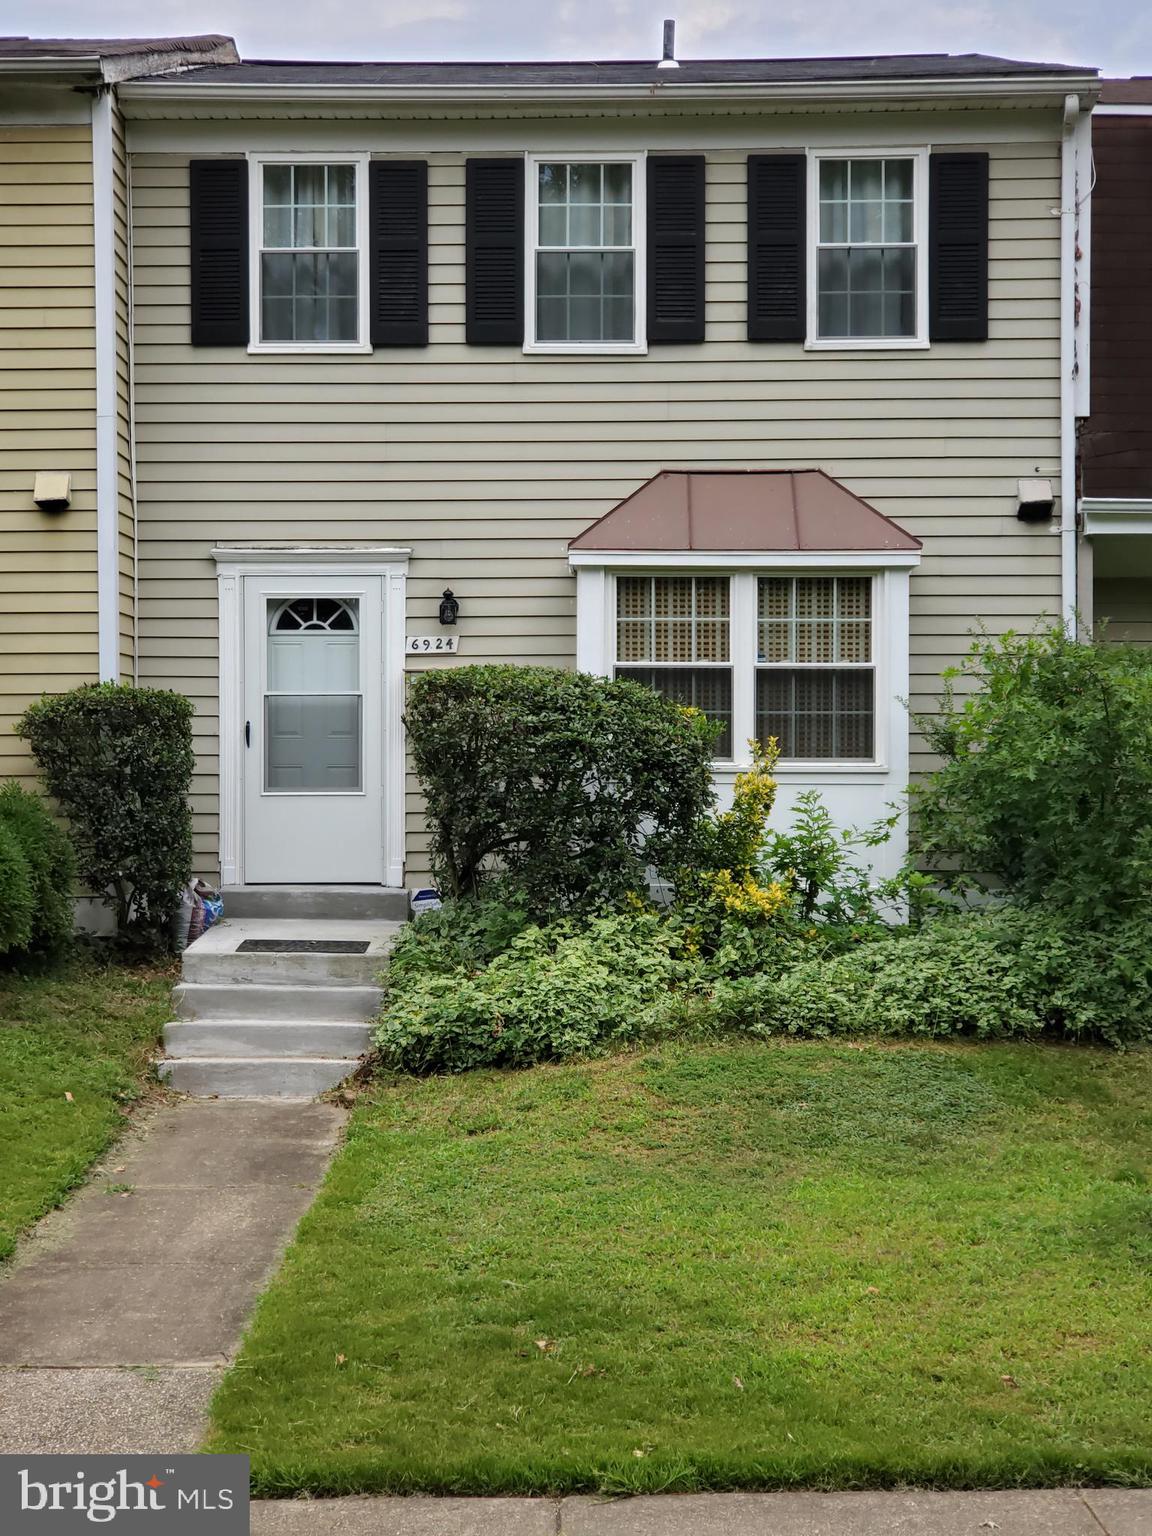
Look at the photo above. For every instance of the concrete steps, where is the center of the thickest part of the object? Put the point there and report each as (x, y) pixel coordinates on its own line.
(326, 903)
(268, 1024)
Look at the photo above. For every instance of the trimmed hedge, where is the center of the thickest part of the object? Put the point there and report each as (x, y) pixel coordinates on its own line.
(119, 761)
(36, 876)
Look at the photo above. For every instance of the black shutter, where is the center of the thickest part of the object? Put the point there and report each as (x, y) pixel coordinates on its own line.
(958, 247)
(675, 248)
(776, 247)
(218, 216)
(494, 245)
(398, 247)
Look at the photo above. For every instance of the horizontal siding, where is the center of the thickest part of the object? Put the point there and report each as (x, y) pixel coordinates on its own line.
(1124, 605)
(47, 420)
(486, 462)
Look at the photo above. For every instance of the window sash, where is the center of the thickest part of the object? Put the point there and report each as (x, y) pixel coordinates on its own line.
(620, 280)
(335, 274)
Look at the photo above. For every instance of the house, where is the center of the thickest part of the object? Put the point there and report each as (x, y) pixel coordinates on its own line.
(1116, 440)
(757, 380)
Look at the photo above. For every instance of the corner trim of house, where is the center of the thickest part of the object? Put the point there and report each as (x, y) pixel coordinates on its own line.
(232, 565)
(107, 478)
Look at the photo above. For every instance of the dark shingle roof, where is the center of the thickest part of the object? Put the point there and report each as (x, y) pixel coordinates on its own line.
(106, 47)
(910, 67)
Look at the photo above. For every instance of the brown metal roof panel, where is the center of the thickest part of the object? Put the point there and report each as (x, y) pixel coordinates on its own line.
(746, 511)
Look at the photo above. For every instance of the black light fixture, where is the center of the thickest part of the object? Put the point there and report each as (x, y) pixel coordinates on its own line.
(449, 607)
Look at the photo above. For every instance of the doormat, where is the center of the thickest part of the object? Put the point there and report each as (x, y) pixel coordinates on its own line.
(303, 947)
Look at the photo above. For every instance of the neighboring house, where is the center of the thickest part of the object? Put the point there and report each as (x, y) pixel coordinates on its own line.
(1116, 441)
(756, 380)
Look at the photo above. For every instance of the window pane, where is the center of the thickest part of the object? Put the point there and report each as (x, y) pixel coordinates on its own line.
(308, 297)
(817, 714)
(814, 619)
(553, 224)
(690, 618)
(866, 221)
(312, 742)
(584, 183)
(617, 224)
(834, 179)
(593, 293)
(553, 183)
(898, 179)
(584, 227)
(866, 180)
(617, 183)
(277, 185)
(705, 688)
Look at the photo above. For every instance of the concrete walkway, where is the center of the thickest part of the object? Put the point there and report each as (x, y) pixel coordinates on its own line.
(118, 1316)
(1063, 1512)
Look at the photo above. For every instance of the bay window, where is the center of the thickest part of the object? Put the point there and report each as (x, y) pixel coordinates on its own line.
(790, 656)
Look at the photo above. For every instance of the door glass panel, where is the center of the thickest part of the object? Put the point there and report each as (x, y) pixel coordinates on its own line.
(312, 741)
(313, 707)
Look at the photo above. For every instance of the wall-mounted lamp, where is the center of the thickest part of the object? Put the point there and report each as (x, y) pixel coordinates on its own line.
(1034, 500)
(52, 491)
(449, 607)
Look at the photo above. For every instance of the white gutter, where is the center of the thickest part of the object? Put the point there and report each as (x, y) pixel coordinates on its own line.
(107, 486)
(1068, 221)
(934, 90)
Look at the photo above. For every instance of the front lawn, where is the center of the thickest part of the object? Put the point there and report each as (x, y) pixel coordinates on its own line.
(74, 1047)
(740, 1265)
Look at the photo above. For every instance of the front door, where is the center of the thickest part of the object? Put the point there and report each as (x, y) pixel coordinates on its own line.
(313, 686)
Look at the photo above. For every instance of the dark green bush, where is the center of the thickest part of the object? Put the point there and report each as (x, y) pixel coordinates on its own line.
(50, 867)
(1013, 971)
(459, 936)
(564, 784)
(571, 988)
(1046, 783)
(17, 902)
(119, 760)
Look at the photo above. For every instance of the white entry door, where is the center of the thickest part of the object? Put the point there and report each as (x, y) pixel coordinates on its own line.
(313, 731)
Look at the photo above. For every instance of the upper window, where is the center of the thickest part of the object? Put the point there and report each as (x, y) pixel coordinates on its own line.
(869, 252)
(584, 262)
(308, 276)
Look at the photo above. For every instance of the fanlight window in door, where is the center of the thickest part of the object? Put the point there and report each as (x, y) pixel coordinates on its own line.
(313, 701)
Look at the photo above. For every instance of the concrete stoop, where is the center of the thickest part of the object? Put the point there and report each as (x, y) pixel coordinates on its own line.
(262, 1024)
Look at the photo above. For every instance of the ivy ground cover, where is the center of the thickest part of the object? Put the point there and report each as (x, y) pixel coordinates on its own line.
(738, 1265)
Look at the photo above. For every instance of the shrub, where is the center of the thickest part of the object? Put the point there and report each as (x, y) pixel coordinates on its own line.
(569, 989)
(1008, 972)
(1046, 783)
(17, 902)
(119, 760)
(459, 936)
(50, 867)
(567, 784)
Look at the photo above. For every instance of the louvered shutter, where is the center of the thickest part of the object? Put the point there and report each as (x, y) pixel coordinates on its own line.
(675, 248)
(776, 247)
(218, 220)
(398, 252)
(494, 249)
(958, 247)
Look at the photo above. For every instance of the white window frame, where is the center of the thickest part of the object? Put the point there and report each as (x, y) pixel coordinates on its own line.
(532, 163)
(919, 157)
(358, 159)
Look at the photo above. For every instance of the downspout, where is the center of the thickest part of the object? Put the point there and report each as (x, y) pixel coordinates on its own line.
(107, 479)
(1068, 221)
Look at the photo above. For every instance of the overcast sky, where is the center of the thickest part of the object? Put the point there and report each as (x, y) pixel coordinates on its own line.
(1115, 35)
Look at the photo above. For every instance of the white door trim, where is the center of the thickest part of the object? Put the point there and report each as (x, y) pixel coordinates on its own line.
(232, 565)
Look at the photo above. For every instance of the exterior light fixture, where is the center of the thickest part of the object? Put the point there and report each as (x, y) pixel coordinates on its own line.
(449, 607)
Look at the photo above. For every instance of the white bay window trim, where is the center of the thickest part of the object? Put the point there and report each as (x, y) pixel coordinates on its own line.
(639, 343)
(257, 160)
(816, 342)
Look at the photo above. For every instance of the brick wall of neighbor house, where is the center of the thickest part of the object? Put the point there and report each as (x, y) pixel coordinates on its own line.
(486, 462)
(47, 417)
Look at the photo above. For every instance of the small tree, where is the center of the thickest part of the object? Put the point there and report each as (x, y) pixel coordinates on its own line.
(1046, 783)
(568, 785)
(48, 869)
(119, 761)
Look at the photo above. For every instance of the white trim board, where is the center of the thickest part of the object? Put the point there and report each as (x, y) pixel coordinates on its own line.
(232, 566)
(1105, 515)
(107, 469)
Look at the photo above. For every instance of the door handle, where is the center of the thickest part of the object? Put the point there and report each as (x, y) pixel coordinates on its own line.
(247, 733)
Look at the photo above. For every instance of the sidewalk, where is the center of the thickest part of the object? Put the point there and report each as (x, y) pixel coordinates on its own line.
(1061, 1512)
(117, 1318)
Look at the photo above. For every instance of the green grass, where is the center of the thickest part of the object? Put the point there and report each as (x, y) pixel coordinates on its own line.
(85, 1031)
(717, 1267)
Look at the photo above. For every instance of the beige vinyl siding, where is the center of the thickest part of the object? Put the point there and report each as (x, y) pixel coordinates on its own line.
(126, 517)
(1125, 603)
(486, 462)
(48, 634)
